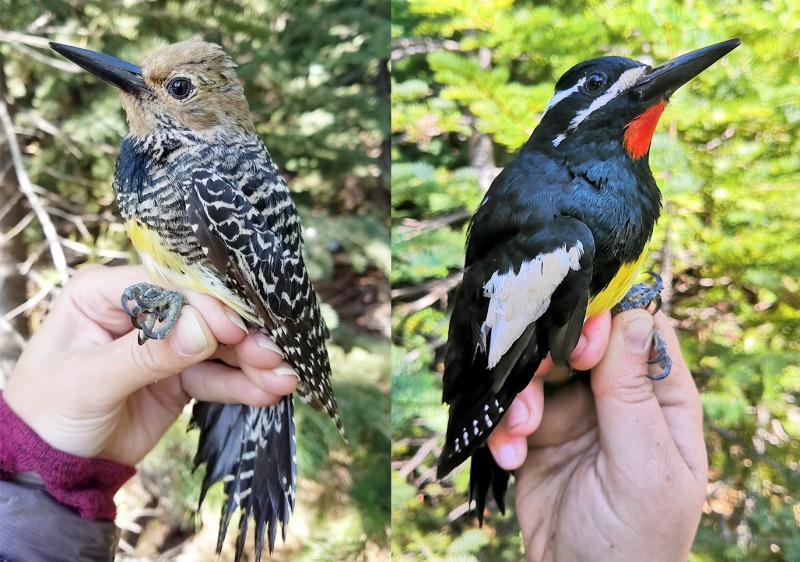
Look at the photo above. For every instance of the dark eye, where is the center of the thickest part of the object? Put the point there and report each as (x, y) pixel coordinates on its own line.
(180, 88)
(595, 82)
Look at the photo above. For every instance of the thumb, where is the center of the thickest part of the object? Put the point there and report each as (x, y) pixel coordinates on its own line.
(630, 421)
(134, 366)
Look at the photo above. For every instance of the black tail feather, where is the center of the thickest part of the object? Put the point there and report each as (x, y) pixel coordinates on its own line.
(253, 451)
(484, 474)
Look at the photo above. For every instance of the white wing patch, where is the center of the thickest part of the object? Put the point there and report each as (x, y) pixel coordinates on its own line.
(517, 299)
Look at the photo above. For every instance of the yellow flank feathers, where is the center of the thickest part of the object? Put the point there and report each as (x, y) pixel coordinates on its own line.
(161, 262)
(620, 284)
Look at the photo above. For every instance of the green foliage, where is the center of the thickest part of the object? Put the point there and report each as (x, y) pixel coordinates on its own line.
(314, 73)
(727, 158)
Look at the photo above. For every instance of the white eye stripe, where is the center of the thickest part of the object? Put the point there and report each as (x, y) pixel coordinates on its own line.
(625, 82)
(558, 96)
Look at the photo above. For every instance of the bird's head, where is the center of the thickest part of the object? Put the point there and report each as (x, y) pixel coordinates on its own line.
(616, 102)
(190, 85)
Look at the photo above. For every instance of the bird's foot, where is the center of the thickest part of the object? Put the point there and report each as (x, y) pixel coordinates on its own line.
(662, 358)
(149, 305)
(643, 295)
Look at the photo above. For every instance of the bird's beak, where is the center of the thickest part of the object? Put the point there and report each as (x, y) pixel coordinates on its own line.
(124, 75)
(664, 79)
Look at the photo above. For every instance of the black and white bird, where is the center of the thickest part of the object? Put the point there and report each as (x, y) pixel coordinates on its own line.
(559, 237)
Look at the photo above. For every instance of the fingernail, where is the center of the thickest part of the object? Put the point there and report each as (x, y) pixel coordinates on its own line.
(236, 319)
(263, 340)
(506, 456)
(285, 371)
(188, 337)
(517, 413)
(638, 333)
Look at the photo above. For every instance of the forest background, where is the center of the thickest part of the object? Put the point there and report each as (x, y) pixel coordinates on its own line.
(469, 83)
(316, 77)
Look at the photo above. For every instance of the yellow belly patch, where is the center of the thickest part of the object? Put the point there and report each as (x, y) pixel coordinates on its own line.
(173, 268)
(620, 284)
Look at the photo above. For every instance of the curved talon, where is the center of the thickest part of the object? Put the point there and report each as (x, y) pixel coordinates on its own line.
(148, 305)
(151, 333)
(658, 302)
(662, 355)
(662, 358)
(125, 300)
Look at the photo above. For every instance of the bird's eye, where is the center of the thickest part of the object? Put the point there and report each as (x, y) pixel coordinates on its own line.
(180, 88)
(595, 82)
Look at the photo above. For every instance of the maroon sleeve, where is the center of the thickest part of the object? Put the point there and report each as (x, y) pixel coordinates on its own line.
(87, 485)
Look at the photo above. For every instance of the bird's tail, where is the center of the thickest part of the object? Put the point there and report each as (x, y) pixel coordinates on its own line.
(252, 450)
(483, 474)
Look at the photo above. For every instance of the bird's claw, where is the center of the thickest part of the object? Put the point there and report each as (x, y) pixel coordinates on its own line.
(149, 305)
(661, 358)
(642, 295)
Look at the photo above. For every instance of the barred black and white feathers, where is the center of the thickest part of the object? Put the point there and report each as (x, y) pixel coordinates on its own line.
(207, 209)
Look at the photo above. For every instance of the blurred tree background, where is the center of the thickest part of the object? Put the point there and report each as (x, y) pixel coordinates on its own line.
(316, 76)
(469, 82)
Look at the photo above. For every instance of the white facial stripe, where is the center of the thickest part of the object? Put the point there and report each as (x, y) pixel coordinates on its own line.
(623, 83)
(516, 300)
(558, 96)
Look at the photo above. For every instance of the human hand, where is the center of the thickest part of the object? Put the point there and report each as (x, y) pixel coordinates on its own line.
(86, 386)
(618, 471)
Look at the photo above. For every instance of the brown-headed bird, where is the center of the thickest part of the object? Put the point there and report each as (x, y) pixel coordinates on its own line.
(207, 209)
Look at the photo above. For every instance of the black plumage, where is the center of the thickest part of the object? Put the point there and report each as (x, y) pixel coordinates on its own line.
(559, 236)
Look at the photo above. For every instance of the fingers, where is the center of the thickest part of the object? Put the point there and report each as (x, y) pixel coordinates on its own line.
(92, 298)
(217, 382)
(508, 442)
(133, 366)
(680, 404)
(260, 360)
(633, 429)
(256, 350)
(587, 353)
(592, 343)
(227, 326)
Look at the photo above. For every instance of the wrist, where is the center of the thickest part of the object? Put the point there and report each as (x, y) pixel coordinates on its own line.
(87, 485)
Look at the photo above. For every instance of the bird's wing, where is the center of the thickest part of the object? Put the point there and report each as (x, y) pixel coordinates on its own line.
(266, 273)
(525, 298)
(235, 233)
(270, 275)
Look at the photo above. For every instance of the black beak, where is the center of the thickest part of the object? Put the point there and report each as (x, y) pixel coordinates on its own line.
(124, 75)
(665, 78)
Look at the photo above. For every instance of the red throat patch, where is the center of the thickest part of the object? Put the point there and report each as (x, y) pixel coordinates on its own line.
(639, 132)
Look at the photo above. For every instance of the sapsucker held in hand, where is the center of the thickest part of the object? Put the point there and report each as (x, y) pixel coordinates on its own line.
(559, 237)
(207, 209)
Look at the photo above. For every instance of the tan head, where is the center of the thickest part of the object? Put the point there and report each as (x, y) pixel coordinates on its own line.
(188, 85)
